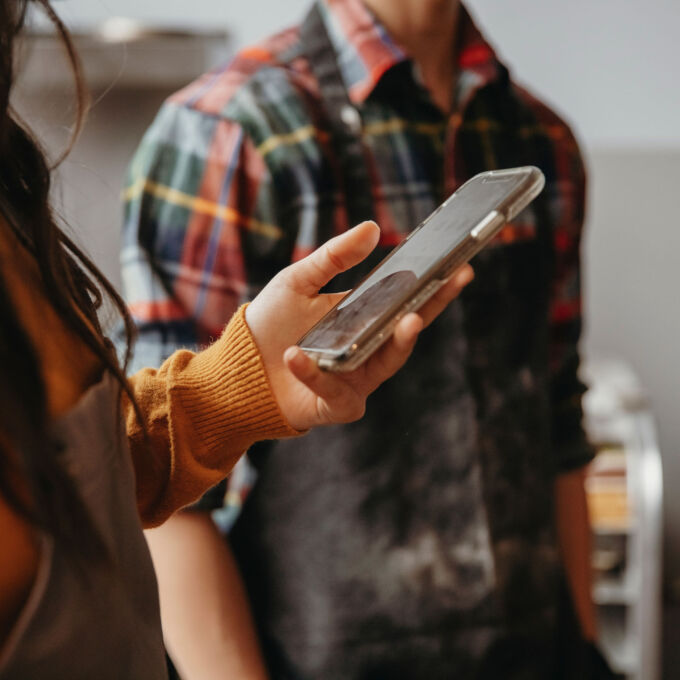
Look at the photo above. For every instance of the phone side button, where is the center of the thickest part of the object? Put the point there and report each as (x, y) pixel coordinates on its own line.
(487, 226)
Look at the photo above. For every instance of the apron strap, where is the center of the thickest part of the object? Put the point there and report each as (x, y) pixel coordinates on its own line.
(342, 115)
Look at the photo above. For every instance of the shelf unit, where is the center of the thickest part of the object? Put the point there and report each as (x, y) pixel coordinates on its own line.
(628, 593)
(122, 53)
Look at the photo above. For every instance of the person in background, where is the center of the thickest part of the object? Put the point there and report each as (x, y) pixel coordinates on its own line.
(445, 535)
(88, 456)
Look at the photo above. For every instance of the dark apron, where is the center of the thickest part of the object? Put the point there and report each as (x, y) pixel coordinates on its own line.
(418, 542)
(86, 623)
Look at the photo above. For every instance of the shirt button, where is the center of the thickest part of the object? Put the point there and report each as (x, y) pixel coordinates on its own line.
(351, 118)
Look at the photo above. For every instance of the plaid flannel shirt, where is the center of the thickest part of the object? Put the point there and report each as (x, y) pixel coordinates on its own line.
(230, 184)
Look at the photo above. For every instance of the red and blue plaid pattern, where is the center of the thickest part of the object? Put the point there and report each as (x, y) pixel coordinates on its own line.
(235, 179)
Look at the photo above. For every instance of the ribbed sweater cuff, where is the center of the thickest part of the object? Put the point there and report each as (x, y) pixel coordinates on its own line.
(225, 393)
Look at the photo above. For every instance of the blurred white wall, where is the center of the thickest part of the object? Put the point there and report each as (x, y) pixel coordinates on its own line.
(609, 66)
(608, 63)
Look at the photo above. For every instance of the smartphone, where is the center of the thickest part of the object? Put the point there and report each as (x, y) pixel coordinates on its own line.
(408, 277)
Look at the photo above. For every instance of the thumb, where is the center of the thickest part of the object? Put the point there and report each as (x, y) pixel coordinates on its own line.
(336, 255)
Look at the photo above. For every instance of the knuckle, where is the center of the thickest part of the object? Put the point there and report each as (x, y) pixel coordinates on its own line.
(334, 260)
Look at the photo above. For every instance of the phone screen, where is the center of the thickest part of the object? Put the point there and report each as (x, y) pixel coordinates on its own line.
(408, 263)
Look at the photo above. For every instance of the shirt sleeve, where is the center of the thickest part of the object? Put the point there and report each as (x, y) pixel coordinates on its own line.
(569, 441)
(196, 415)
(199, 232)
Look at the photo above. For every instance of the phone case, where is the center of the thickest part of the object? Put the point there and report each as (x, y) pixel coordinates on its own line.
(369, 340)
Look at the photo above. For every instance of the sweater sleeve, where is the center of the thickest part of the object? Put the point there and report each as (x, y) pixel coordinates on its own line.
(199, 413)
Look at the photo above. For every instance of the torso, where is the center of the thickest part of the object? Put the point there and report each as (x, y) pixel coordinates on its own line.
(58, 619)
(87, 617)
(68, 369)
(394, 546)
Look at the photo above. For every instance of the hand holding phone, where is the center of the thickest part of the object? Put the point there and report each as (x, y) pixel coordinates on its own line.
(291, 303)
(403, 282)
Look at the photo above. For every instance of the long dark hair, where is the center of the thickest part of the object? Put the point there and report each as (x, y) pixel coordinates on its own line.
(29, 460)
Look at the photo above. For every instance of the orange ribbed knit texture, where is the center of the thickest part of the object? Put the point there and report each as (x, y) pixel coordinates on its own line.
(213, 405)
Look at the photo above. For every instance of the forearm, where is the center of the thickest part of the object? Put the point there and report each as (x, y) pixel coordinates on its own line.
(197, 414)
(207, 624)
(574, 538)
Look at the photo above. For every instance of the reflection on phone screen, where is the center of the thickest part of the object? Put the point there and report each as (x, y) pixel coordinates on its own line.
(347, 320)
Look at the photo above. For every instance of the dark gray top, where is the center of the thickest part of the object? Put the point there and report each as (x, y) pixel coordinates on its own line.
(95, 621)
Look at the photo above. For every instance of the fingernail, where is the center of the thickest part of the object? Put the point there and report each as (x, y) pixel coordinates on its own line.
(296, 358)
(292, 355)
(375, 224)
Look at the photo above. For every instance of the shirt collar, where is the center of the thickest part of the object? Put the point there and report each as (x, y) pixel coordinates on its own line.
(366, 51)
